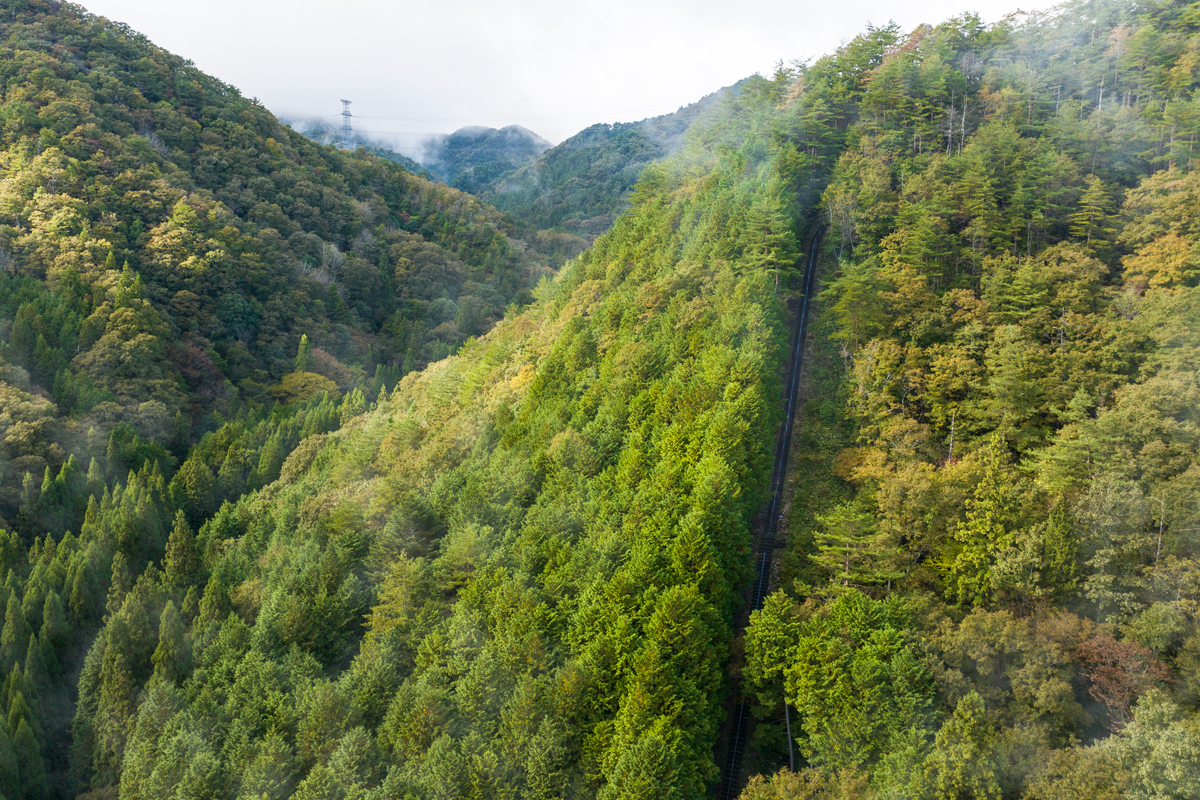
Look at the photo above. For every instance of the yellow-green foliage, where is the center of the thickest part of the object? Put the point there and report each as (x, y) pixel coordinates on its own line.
(165, 242)
(521, 566)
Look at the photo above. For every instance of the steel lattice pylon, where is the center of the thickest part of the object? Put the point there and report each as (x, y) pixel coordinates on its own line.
(347, 131)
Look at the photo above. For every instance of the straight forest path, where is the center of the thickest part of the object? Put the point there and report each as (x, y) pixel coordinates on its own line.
(738, 723)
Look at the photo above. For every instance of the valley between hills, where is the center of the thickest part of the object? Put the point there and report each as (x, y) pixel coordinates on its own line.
(837, 436)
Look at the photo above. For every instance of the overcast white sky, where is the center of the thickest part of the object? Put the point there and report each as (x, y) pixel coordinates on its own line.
(554, 66)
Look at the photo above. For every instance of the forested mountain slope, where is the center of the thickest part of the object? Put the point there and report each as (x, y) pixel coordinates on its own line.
(404, 161)
(581, 185)
(165, 243)
(167, 248)
(512, 577)
(512, 572)
(570, 493)
(992, 579)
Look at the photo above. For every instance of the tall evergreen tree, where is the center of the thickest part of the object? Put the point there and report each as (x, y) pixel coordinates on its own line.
(10, 769)
(1093, 221)
(33, 782)
(14, 636)
(118, 585)
(181, 564)
(170, 657)
(304, 356)
(986, 531)
(851, 549)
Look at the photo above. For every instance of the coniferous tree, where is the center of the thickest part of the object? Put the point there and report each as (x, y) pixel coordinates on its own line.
(770, 637)
(1061, 549)
(115, 702)
(181, 563)
(19, 709)
(10, 770)
(84, 599)
(118, 586)
(36, 672)
(55, 631)
(170, 658)
(196, 482)
(94, 484)
(33, 781)
(1093, 220)
(304, 356)
(14, 635)
(353, 404)
(851, 549)
(986, 531)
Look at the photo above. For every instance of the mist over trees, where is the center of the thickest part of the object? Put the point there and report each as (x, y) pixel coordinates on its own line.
(476, 157)
(319, 479)
(582, 185)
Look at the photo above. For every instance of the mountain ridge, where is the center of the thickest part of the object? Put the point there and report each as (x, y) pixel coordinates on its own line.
(472, 157)
(323, 481)
(594, 170)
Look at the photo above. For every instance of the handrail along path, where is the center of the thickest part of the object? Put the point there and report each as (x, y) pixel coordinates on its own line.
(737, 742)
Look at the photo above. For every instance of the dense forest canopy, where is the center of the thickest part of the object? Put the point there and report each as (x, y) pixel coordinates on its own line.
(990, 583)
(321, 480)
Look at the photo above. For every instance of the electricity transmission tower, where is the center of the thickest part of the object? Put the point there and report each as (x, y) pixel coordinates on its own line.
(347, 131)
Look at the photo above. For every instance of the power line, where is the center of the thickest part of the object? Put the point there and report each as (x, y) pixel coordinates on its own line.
(347, 141)
(289, 120)
(507, 117)
(562, 146)
(477, 117)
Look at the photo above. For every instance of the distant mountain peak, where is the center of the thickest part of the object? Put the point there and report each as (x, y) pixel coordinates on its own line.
(476, 156)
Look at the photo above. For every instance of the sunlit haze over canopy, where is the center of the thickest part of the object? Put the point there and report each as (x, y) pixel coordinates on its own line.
(413, 69)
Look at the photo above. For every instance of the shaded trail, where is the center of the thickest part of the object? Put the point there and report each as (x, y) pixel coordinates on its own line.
(738, 723)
